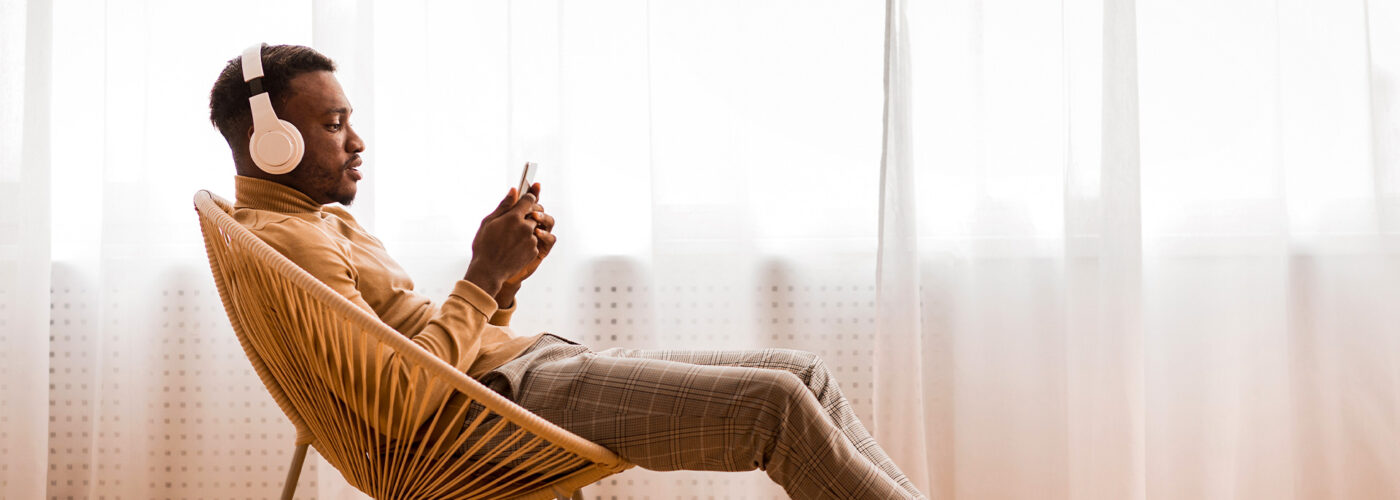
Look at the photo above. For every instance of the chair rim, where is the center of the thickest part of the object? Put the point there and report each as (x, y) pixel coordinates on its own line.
(211, 206)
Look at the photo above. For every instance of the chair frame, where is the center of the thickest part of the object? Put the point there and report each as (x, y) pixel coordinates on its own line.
(547, 461)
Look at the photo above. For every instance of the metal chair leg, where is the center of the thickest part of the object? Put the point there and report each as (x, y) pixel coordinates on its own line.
(293, 473)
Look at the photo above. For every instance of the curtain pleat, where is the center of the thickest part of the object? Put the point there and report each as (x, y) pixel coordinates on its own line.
(24, 247)
(903, 380)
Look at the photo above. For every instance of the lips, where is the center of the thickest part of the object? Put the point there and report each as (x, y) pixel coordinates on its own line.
(353, 167)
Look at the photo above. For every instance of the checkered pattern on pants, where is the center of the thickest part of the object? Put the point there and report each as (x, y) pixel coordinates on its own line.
(774, 409)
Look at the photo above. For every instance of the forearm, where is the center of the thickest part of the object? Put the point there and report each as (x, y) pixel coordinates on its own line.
(452, 335)
(487, 278)
(505, 298)
(503, 294)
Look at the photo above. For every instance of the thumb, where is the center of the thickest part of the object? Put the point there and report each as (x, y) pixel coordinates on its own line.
(505, 204)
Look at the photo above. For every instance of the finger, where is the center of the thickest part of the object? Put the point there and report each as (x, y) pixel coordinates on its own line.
(535, 188)
(524, 204)
(546, 221)
(546, 239)
(527, 226)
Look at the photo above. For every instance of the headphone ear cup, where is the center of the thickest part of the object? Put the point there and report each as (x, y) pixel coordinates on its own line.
(277, 151)
(298, 143)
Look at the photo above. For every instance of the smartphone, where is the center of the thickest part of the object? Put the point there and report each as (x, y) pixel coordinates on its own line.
(527, 178)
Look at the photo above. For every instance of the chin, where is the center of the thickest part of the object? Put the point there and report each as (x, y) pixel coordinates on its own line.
(346, 197)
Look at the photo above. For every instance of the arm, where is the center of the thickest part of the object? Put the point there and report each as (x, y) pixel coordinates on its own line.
(505, 305)
(376, 382)
(381, 387)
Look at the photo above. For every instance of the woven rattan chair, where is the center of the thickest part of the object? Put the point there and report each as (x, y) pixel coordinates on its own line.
(473, 443)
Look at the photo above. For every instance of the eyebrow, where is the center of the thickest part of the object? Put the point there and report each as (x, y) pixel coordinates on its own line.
(339, 111)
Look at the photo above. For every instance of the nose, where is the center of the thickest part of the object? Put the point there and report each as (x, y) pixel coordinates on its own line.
(355, 144)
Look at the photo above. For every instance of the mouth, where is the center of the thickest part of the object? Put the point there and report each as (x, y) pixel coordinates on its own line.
(352, 167)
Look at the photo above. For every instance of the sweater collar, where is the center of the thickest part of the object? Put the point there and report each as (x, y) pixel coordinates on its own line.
(262, 194)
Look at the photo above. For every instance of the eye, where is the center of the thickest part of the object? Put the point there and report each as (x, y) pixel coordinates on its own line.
(334, 127)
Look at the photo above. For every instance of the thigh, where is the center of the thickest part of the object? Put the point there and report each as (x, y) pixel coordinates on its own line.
(639, 385)
(800, 363)
(665, 415)
(807, 366)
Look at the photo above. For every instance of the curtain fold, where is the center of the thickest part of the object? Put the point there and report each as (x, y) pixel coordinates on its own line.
(904, 398)
(1109, 453)
(24, 246)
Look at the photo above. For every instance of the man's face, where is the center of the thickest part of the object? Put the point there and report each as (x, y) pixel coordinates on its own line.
(329, 169)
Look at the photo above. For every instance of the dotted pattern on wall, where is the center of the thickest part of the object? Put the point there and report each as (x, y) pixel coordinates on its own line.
(162, 403)
(8, 276)
(72, 376)
(179, 414)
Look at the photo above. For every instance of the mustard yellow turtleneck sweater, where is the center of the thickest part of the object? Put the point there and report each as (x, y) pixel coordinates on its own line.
(468, 331)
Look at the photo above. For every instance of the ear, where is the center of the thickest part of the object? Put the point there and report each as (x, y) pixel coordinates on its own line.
(250, 134)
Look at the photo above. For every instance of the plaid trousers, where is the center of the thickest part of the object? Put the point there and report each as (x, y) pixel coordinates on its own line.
(778, 410)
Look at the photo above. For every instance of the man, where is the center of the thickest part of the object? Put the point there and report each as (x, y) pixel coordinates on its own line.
(777, 410)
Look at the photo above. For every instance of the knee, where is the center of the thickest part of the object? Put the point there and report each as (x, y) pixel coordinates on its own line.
(808, 366)
(804, 364)
(789, 386)
(779, 394)
(783, 394)
(782, 410)
(776, 386)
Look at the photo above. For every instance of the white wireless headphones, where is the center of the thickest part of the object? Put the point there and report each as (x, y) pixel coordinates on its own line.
(276, 146)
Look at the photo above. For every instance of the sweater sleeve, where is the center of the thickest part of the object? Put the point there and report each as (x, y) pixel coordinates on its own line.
(502, 316)
(361, 372)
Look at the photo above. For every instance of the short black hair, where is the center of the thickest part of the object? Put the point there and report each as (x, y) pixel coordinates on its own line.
(228, 100)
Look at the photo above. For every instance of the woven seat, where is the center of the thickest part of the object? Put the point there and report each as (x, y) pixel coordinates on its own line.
(298, 333)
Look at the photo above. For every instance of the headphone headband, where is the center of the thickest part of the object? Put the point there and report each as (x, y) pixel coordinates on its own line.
(252, 62)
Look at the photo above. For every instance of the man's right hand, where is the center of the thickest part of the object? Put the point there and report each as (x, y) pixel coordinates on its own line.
(504, 244)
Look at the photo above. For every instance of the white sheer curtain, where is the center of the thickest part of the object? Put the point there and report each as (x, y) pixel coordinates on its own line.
(1152, 247)
(24, 248)
(1122, 249)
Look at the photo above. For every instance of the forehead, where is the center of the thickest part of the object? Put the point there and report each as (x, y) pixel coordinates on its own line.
(316, 92)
